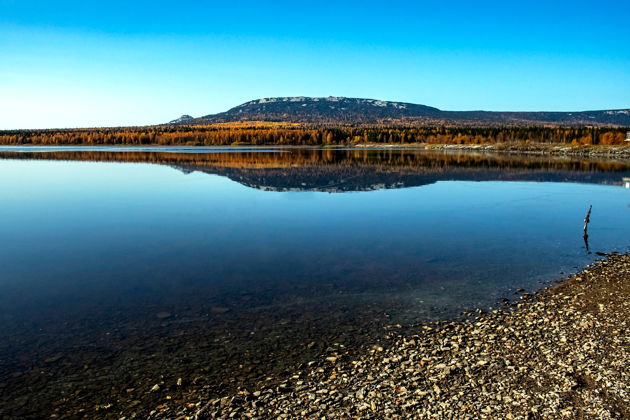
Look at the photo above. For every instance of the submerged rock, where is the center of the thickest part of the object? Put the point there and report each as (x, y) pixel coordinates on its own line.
(219, 309)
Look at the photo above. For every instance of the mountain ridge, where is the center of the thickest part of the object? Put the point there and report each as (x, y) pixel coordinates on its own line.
(343, 110)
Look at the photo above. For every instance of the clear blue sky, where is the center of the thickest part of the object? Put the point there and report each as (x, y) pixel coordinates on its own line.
(82, 63)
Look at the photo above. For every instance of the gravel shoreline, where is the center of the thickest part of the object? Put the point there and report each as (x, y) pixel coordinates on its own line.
(561, 353)
(599, 151)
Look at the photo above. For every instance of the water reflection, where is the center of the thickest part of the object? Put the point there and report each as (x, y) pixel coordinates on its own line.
(332, 170)
(226, 267)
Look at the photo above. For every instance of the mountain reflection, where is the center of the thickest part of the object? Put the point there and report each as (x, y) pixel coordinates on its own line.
(334, 170)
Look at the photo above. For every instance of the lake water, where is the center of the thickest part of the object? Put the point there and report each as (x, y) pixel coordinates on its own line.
(125, 267)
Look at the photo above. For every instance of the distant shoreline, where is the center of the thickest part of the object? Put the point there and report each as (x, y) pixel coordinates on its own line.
(532, 149)
(555, 149)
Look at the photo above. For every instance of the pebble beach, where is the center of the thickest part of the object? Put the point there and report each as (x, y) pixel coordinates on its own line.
(560, 353)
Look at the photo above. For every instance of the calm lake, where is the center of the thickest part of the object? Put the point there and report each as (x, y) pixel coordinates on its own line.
(122, 268)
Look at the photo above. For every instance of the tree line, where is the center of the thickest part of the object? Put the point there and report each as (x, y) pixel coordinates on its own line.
(311, 135)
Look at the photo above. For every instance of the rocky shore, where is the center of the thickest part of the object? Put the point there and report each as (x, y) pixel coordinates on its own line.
(599, 151)
(561, 353)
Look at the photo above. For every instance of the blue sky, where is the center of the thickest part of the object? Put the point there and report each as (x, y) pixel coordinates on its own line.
(78, 63)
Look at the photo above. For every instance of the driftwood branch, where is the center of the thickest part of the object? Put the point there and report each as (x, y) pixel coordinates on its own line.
(587, 219)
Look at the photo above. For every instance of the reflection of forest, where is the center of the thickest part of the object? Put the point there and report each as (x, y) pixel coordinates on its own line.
(355, 170)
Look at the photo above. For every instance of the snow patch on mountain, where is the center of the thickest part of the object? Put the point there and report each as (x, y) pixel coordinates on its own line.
(181, 119)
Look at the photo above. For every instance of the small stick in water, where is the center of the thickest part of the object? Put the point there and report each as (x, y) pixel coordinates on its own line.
(587, 219)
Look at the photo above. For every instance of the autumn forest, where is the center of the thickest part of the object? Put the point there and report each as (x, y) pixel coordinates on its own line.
(269, 133)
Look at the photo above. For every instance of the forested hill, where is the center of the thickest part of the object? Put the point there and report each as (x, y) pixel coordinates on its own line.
(334, 110)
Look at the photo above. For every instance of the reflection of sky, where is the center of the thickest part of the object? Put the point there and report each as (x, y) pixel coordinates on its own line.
(78, 225)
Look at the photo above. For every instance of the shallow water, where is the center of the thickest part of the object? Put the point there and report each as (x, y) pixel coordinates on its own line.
(254, 253)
